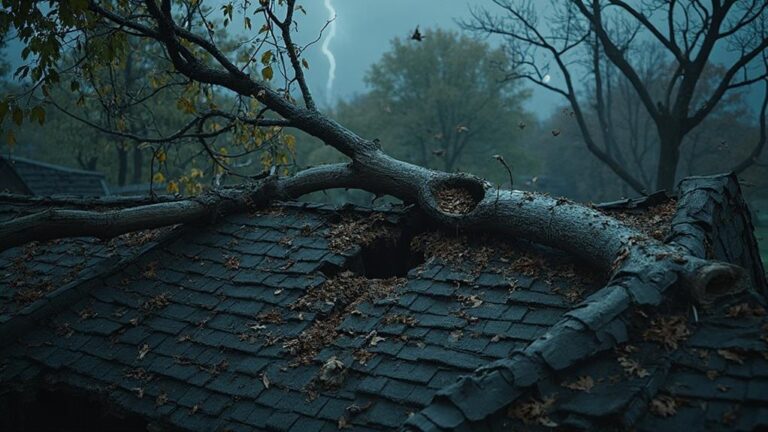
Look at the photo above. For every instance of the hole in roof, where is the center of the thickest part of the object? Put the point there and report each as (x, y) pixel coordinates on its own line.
(387, 256)
(63, 409)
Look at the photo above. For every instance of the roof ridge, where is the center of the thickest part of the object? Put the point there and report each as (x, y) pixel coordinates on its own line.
(52, 166)
(31, 315)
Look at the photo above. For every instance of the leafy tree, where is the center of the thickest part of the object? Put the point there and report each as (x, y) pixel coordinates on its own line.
(442, 102)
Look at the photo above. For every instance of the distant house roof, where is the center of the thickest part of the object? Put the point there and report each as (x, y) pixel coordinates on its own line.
(309, 318)
(21, 175)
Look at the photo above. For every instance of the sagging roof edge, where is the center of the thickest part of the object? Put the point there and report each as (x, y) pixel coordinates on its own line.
(599, 323)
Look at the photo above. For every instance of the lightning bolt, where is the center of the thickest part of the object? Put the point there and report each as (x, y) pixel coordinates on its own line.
(327, 52)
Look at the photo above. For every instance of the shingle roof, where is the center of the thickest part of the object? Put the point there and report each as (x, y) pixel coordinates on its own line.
(264, 322)
(47, 179)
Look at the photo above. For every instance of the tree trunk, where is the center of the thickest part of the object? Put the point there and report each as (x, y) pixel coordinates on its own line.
(138, 164)
(669, 156)
(122, 164)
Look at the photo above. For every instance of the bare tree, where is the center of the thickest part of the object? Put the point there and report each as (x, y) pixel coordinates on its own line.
(556, 38)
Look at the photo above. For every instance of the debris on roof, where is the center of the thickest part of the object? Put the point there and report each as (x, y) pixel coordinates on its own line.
(273, 321)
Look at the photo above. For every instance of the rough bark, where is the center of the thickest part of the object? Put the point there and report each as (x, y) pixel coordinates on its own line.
(599, 239)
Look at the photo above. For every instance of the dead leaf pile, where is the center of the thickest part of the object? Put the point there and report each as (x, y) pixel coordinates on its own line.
(354, 230)
(454, 200)
(344, 292)
(654, 221)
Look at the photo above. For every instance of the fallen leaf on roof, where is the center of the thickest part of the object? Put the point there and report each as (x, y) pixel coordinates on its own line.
(150, 271)
(87, 313)
(139, 392)
(362, 356)
(143, 351)
(712, 374)
(583, 383)
(376, 339)
(231, 262)
(668, 331)
(156, 302)
(632, 367)
(745, 310)
(731, 355)
(343, 423)
(332, 372)
(195, 408)
(265, 380)
(161, 399)
(730, 416)
(472, 301)
(534, 411)
(405, 319)
(663, 406)
(356, 409)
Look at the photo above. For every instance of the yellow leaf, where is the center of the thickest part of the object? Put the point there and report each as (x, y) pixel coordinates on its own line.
(160, 156)
(266, 57)
(289, 141)
(267, 73)
(11, 138)
(173, 187)
(158, 178)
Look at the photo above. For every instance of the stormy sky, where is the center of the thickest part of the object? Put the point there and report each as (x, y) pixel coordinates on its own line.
(364, 30)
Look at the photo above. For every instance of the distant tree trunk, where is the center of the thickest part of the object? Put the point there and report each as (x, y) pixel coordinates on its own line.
(669, 156)
(122, 165)
(87, 163)
(138, 164)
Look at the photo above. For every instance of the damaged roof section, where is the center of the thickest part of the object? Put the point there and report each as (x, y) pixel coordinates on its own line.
(269, 322)
(307, 318)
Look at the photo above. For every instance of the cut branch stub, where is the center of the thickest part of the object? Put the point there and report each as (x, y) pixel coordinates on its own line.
(710, 281)
(454, 196)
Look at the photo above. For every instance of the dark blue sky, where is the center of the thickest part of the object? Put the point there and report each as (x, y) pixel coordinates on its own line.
(365, 29)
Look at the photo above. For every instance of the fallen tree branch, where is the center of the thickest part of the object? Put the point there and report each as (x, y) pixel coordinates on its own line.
(599, 239)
